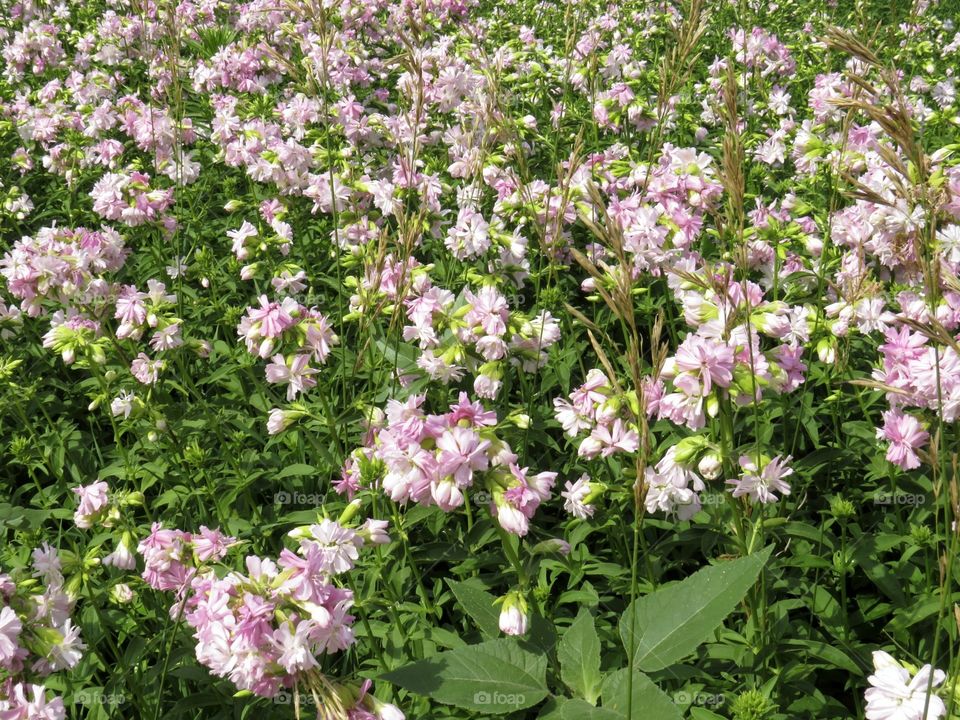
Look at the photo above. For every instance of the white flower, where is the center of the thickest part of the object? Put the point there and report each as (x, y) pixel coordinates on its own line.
(10, 628)
(893, 695)
(295, 654)
(123, 404)
(66, 653)
(122, 558)
(575, 496)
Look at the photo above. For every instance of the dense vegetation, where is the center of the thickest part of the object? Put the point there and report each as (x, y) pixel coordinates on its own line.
(558, 359)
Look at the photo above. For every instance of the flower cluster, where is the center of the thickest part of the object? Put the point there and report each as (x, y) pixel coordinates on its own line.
(62, 265)
(37, 638)
(763, 50)
(127, 197)
(437, 459)
(265, 629)
(303, 335)
(477, 332)
(915, 373)
(595, 408)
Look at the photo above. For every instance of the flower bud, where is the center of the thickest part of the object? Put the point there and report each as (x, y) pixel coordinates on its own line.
(121, 594)
(687, 450)
(710, 465)
(97, 355)
(513, 614)
(553, 545)
(350, 511)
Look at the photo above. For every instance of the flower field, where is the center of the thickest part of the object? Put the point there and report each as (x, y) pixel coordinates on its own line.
(455, 359)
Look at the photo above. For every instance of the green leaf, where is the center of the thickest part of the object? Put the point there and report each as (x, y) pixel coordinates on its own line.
(295, 469)
(827, 653)
(494, 678)
(567, 709)
(649, 701)
(479, 605)
(665, 626)
(579, 655)
(867, 555)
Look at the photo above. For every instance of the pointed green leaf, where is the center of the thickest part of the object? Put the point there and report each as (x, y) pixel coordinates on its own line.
(494, 678)
(665, 626)
(579, 655)
(479, 605)
(577, 709)
(649, 701)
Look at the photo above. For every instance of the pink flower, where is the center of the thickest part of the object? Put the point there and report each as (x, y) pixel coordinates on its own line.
(338, 546)
(93, 499)
(575, 495)
(211, 544)
(130, 310)
(446, 494)
(164, 553)
(273, 317)
(905, 435)
(471, 412)
(146, 370)
(29, 702)
(122, 558)
(239, 237)
(488, 309)
(515, 507)
(569, 418)
(295, 372)
(461, 453)
(295, 646)
(469, 237)
(762, 486)
(320, 336)
(701, 363)
(349, 482)
(10, 629)
(605, 441)
(513, 615)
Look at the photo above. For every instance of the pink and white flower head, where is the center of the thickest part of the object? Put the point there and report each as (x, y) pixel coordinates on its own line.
(515, 505)
(897, 694)
(905, 436)
(762, 483)
(576, 496)
(29, 702)
(701, 363)
(672, 487)
(94, 502)
(211, 544)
